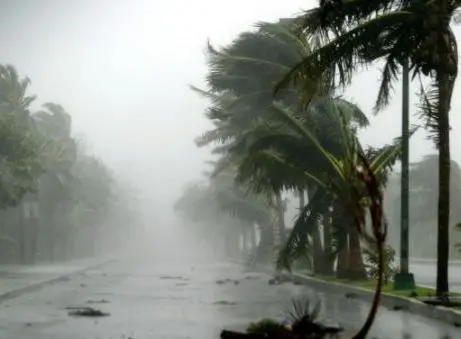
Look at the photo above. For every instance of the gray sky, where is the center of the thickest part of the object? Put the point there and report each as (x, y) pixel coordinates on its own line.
(122, 69)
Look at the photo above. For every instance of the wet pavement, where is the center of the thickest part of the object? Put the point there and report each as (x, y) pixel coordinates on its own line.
(151, 296)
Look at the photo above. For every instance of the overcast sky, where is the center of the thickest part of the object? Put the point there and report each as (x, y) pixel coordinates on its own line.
(121, 68)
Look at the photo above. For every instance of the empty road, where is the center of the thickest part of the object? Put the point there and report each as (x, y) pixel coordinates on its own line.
(171, 295)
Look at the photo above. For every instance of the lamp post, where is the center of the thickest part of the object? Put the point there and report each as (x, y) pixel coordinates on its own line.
(404, 280)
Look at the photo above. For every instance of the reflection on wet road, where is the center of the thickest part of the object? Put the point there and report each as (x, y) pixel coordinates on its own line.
(147, 298)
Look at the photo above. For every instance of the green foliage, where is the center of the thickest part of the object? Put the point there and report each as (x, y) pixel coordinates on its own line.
(76, 192)
(19, 151)
(306, 139)
(263, 326)
(371, 259)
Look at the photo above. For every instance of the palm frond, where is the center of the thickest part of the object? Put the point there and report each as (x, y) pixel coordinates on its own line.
(336, 15)
(389, 74)
(428, 109)
(341, 56)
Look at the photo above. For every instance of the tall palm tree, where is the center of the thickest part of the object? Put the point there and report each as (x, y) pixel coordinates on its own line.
(59, 153)
(355, 32)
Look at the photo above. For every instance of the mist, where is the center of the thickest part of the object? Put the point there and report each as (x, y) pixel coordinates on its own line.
(122, 70)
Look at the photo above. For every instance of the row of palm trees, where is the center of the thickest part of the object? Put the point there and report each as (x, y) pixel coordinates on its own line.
(404, 34)
(270, 148)
(280, 125)
(55, 198)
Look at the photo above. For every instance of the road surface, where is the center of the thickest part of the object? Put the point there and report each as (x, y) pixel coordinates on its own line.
(153, 296)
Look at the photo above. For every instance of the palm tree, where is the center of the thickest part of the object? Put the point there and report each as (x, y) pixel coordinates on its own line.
(278, 149)
(349, 180)
(357, 32)
(19, 151)
(219, 203)
(59, 153)
(93, 197)
(18, 155)
(241, 80)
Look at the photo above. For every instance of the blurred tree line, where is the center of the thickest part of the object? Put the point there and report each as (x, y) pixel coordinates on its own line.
(57, 202)
(423, 207)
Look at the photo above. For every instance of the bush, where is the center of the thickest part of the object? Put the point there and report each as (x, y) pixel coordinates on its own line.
(371, 263)
(264, 326)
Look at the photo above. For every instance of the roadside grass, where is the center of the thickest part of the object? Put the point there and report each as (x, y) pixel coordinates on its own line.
(370, 284)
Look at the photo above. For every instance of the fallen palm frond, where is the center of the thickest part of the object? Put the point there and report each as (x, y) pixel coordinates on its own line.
(82, 311)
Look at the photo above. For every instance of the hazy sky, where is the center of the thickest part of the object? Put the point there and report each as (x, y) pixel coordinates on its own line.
(122, 69)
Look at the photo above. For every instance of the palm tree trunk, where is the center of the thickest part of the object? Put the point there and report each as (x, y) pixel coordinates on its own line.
(342, 241)
(362, 333)
(342, 267)
(443, 235)
(253, 238)
(318, 252)
(265, 246)
(327, 244)
(447, 71)
(355, 261)
(278, 227)
(281, 217)
(319, 265)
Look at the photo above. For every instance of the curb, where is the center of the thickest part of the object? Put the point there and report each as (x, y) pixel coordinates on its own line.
(419, 261)
(443, 314)
(39, 285)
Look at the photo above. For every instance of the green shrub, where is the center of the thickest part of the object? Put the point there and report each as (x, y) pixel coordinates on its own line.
(371, 263)
(263, 326)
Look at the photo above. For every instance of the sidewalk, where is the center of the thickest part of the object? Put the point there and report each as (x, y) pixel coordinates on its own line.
(16, 280)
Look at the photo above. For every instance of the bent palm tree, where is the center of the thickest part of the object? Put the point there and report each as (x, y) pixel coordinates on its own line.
(356, 32)
(350, 179)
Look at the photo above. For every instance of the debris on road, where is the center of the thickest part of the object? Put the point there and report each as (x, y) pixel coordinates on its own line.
(225, 303)
(278, 280)
(227, 281)
(85, 312)
(351, 295)
(172, 277)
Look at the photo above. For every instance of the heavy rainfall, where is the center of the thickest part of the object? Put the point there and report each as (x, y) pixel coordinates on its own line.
(246, 169)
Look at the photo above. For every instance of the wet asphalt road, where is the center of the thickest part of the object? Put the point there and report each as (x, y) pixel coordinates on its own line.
(178, 297)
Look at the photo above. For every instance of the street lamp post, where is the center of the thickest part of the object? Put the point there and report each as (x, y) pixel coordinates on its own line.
(404, 280)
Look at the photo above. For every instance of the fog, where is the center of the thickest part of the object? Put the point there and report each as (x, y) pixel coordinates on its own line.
(122, 70)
